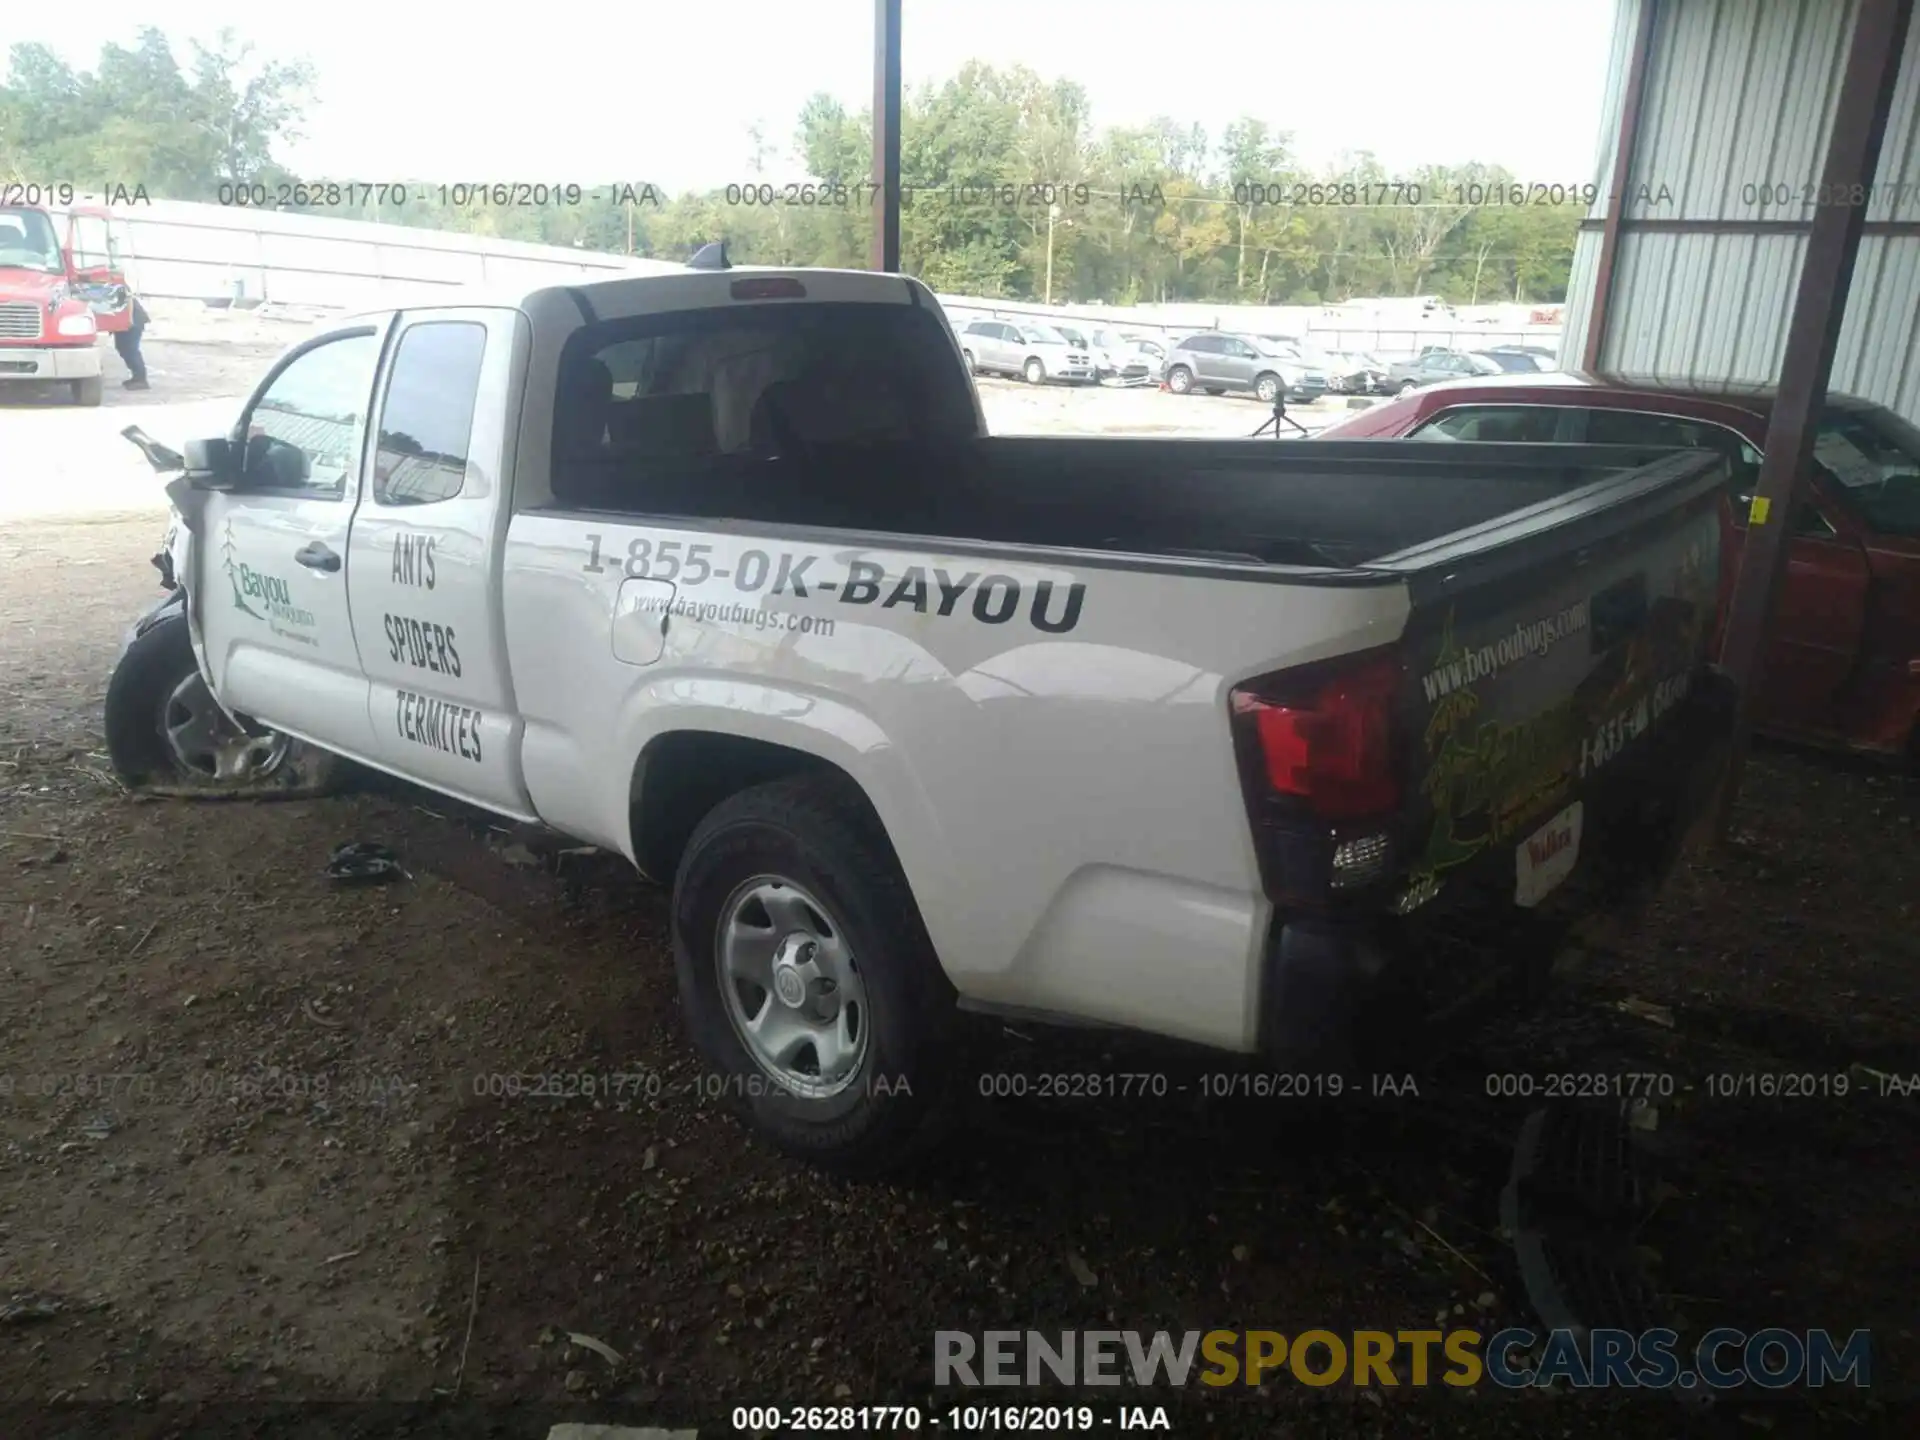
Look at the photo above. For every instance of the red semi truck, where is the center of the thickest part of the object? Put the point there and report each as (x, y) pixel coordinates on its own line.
(61, 288)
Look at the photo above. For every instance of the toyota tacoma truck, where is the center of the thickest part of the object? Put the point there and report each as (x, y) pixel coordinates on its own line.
(1282, 749)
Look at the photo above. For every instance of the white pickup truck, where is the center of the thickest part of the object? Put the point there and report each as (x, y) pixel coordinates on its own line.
(1265, 746)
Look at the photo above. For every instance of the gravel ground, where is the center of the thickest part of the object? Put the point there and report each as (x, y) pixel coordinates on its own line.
(251, 1149)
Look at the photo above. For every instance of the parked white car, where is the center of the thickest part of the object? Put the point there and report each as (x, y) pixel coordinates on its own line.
(1122, 361)
(1035, 353)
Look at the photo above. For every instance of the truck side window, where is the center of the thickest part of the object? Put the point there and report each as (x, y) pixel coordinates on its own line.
(305, 433)
(426, 421)
(696, 409)
(92, 244)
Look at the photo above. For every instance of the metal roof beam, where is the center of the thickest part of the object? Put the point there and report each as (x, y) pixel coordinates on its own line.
(886, 135)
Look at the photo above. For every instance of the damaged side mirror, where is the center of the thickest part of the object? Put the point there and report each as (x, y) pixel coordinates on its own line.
(211, 464)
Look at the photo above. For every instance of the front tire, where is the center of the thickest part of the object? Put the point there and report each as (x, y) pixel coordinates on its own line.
(1407, 387)
(1266, 388)
(807, 977)
(89, 392)
(1180, 380)
(166, 734)
(1035, 371)
(967, 356)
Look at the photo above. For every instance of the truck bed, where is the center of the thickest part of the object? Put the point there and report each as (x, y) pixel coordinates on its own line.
(1306, 503)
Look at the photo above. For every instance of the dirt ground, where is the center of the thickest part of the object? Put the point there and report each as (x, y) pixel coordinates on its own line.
(255, 1150)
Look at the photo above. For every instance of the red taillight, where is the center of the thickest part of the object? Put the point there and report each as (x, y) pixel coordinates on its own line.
(1326, 737)
(768, 287)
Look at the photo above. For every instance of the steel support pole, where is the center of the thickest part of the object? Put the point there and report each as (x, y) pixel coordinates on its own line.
(886, 135)
(1813, 334)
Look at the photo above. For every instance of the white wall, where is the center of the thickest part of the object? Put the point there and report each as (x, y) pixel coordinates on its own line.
(179, 250)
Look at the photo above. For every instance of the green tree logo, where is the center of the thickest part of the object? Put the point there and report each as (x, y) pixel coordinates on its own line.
(233, 572)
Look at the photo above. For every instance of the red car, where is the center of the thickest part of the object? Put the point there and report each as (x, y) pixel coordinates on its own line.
(1844, 664)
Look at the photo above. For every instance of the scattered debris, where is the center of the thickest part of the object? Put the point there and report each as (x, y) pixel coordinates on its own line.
(308, 1009)
(26, 1309)
(145, 936)
(343, 1255)
(1646, 1010)
(1082, 1271)
(599, 1347)
(473, 1307)
(518, 854)
(362, 862)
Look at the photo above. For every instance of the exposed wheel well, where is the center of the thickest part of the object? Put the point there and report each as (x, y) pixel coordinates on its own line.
(685, 773)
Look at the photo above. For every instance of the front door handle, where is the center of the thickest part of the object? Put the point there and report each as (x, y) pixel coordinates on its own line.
(317, 557)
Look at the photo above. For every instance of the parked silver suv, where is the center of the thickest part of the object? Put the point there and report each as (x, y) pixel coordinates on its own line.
(1037, 353)
(1217, 362)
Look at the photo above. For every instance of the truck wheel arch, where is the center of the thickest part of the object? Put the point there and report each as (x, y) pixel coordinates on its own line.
(681, 775)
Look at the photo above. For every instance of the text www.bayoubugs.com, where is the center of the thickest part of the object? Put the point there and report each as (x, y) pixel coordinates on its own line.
(1526, 641)
(736, 613)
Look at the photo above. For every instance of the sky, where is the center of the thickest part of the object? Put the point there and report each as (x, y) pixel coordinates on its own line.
(670, 91)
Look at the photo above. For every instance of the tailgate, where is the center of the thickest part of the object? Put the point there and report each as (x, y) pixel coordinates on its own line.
(1548, 652)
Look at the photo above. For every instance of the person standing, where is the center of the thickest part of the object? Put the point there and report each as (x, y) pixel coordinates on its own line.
(127, 342)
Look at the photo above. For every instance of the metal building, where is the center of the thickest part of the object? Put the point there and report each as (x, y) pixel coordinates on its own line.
(1718, 119)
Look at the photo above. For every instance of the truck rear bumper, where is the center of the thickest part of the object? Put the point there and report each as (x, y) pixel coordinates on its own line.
(1339, 990)
(49, 362)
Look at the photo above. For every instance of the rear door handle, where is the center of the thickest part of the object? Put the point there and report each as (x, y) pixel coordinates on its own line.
(317, 557)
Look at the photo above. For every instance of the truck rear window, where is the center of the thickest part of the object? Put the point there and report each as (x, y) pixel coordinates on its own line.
(646, 408)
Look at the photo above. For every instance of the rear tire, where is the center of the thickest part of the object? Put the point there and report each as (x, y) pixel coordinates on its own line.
(154, 691)
(813, 845)
(89, 392)
(1180, 380)
(1035, 371)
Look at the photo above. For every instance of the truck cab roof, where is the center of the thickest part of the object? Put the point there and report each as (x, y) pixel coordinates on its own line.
(621, 297)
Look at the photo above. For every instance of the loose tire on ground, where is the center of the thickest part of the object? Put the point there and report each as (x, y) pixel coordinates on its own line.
(817, 835)
(140, 696)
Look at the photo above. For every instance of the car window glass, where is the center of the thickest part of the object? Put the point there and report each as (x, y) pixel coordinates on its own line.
(1633, 427)
(427, 419)
(305, 432)
(1511, 424)
(1873, 461)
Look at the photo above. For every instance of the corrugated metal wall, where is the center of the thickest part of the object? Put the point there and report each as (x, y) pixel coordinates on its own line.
(1733, 127)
